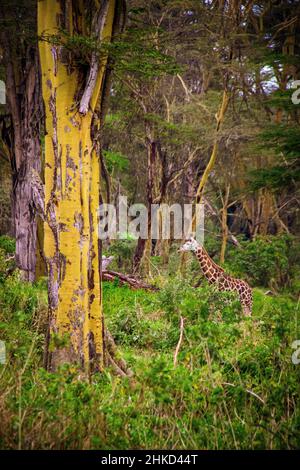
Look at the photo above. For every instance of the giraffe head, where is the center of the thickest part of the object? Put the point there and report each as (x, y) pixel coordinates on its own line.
(190, 245)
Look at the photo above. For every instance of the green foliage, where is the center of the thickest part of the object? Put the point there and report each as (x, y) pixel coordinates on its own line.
(22, 319)
(7, 244)
(131, 52)
(133, 55)
(5, 194)
(7, 264)
(174, 133)
(282, 99)
(234, 387)
(285, 171)
(199, 305)
(123, 251)
(115, 161)
(267, 261)
(79, 46)
(3, 266)
(128, 323)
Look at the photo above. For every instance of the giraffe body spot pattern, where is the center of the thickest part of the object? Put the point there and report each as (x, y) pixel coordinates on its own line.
(217, 276)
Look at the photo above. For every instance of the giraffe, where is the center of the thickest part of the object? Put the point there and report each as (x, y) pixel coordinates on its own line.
(216, 275)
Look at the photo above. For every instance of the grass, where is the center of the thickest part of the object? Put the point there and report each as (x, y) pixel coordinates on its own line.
(235, 386)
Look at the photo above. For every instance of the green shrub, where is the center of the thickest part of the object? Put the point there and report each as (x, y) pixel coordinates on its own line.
(180, 298)
(123, 251)
(7, 264)
(23, 317)
(7, 244)
(234, 386)
(132, 323)
(267, 261)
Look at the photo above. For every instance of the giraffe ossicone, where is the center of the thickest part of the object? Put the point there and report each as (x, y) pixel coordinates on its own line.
(190, 245)
(216, 275)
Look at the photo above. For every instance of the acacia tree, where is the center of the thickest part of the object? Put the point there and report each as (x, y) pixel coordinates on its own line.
(74, 41)
(142, 85)
(171, 139)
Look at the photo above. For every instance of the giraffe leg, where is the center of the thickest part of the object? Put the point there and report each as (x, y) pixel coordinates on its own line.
(246, 301)
(247, 306)
(246, 310)
(250, 302)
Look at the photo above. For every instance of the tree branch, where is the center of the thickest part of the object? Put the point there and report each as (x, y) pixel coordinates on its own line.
(95, 63)
(179, 341)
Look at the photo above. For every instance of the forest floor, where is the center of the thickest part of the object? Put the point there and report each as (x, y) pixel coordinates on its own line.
(234, 385)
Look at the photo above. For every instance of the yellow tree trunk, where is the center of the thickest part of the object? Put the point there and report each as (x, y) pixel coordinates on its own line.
(224, 224)
(72, 186)
(211, 163)
(209, 167)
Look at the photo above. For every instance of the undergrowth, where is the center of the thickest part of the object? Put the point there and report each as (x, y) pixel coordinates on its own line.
(234, 386)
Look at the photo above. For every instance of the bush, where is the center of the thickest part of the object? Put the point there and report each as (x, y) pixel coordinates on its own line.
(7, 244)
(135, 319)
(7, 264)
(267, 261)
(182, 299)
(234, 387)
(123, 251)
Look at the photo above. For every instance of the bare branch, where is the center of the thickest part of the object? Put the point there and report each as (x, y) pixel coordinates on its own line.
(179, 341)
(95, 63)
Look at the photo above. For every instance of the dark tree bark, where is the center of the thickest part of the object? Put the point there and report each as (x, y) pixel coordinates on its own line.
(24, 102)
(151, 150)
(25, 107)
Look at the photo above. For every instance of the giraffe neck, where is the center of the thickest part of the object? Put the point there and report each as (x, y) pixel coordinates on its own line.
(216, 275)
(209, 268)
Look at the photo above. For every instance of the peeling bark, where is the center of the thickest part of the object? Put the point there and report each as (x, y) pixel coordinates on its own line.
(95, 61)
(144, 245)
(25, 106)
(72, 190)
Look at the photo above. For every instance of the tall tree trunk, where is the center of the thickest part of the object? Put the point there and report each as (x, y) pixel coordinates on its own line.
(143, 248)
(24, 102)
(72, 184)
(209, 167)
(25, 208)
